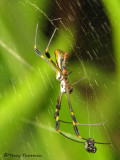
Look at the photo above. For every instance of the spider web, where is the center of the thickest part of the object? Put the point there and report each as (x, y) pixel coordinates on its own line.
(86, 35)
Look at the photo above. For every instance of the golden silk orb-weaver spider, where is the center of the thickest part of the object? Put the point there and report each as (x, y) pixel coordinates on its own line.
(65, 87)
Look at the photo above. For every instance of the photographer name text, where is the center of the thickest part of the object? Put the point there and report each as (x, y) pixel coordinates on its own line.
(22, 155)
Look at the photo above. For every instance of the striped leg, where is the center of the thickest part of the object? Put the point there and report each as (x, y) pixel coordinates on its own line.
(38, 52)
(50, 60)
(58, 105)
(72, 115)
(48, 55)
(57, 120)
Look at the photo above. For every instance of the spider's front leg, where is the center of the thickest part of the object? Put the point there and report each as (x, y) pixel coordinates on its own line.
(39, 52)
(58, 105)
(48, 54)
(52, 62)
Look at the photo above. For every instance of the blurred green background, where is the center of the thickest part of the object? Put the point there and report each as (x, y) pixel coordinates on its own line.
(90, 32)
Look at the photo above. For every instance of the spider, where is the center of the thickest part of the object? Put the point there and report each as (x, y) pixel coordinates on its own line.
(65, 87)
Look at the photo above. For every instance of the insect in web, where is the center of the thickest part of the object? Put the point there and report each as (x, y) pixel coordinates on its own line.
(65, 87)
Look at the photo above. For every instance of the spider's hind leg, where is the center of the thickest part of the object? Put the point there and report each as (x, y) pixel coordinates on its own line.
(58, 105)
(72, 115)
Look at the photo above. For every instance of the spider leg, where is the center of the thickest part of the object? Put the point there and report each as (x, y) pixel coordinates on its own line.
(54, 64)
(72, 115)
(48, 54)
(78, 80)
(38, 52)
(58, 105)
(49, 61)
(83, 124)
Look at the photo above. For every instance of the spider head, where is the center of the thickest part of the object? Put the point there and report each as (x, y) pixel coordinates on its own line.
(89, 145)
